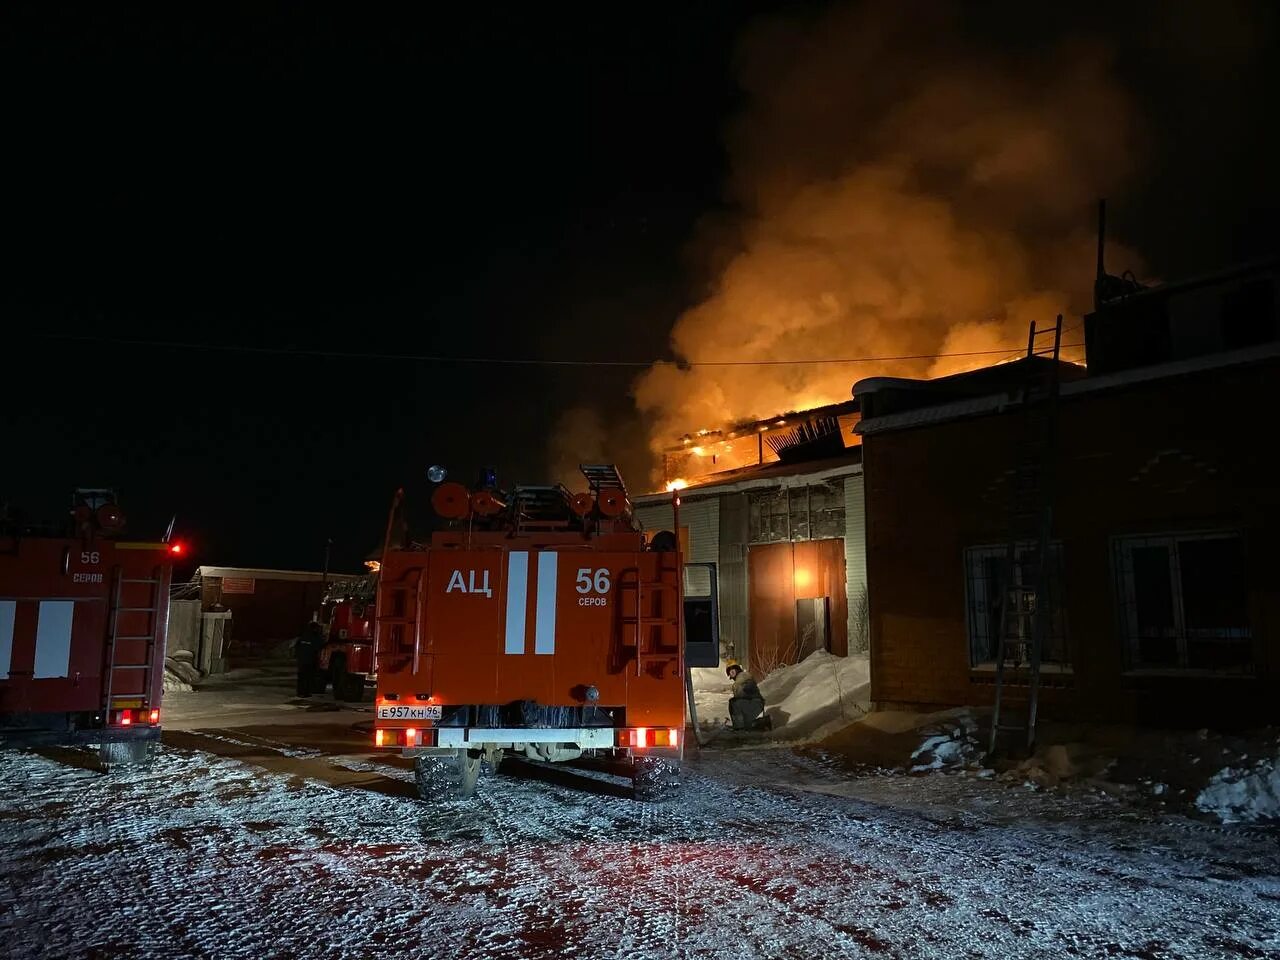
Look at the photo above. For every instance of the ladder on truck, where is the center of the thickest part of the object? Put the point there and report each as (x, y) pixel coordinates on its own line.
(151, 612)
(1024, 608)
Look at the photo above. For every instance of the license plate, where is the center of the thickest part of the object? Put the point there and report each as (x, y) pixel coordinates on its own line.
(397, 712)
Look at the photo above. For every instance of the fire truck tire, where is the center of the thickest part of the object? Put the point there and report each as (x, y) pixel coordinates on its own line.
(124, 753)
(655, 778)
(446, 777)
(348, 686)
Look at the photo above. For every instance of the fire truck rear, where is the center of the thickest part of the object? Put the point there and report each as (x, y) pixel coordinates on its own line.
(539, 623)
(83, 621)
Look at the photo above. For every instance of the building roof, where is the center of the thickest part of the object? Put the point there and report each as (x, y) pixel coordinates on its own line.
(772, 474)
(927, 414)
(261, 573)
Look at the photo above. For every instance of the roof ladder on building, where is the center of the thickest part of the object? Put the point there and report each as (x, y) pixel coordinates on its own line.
(1024, 617)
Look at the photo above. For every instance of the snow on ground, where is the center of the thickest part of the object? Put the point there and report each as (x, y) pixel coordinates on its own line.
(807, 700)
(819, 695)
(767, 854)
(1236, 794)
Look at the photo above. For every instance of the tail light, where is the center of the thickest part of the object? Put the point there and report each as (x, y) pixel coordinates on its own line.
(126, 718)
(641, 738)
(408, 737)
(153, 717)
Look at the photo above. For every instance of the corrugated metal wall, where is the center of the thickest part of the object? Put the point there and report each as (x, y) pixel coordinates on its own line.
(702, 517)
(732, 571)
(855, 562)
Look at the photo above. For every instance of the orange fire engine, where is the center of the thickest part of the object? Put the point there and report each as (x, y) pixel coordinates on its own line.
(83, 620)
(541, 623)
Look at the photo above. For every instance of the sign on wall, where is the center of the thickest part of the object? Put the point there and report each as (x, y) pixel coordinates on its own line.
(237, 585)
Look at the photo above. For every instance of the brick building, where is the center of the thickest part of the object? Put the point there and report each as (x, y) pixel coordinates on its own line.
(1165, 580)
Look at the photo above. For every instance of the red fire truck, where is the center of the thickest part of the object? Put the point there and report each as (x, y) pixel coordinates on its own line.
(342, 641)
(83, 620)
(543, 624)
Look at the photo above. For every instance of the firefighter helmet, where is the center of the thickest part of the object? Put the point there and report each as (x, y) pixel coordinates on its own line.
(730, 666)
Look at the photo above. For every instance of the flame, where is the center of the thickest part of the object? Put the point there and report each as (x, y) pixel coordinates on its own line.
(676, 484)
(698, 452)
(373, 565)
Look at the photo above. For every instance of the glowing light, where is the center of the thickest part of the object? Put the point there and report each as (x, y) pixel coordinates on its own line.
(698, 452)
(804, 578)
(373, 565)
(154, 716)
(642, 737)
(410, 734)
(673, 737)
(175, 548)
(379, 738)
(125, 718)
(677, 484)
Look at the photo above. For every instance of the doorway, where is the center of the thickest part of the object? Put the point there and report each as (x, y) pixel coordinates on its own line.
(813, 626)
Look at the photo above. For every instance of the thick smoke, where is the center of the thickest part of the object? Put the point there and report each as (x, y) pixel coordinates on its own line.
(902, 190)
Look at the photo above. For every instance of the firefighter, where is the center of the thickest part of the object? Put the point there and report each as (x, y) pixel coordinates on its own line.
(307, 649)
(746, 706)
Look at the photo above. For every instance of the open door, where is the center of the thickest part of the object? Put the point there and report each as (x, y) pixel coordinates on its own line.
(701, 616)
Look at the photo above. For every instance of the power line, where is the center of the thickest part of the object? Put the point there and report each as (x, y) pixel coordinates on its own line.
(508, 361)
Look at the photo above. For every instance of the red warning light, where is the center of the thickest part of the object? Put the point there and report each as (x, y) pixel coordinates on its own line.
(176, 548)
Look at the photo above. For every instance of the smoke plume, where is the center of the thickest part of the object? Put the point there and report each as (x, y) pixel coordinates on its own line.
(901, 189)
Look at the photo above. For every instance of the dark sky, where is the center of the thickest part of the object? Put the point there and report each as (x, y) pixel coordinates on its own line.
(404, 180)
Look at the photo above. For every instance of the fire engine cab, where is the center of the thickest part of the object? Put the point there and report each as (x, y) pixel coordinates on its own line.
(539, 623)
(83, 620)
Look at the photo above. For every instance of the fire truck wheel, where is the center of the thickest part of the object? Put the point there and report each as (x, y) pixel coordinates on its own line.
(655, 778)
(124, 753)
(444, 777)
(348, 686)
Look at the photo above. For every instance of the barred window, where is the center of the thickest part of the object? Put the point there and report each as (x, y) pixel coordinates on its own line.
(1183, 601)
(989, 587)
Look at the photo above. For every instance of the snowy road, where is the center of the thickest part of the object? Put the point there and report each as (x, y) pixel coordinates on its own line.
(207, 856)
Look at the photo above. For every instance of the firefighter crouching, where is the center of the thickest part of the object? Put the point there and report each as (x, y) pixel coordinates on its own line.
(746, 706)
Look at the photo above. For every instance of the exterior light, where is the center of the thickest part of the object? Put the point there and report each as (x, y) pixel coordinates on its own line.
(592, 694)
(436, 473)
(176, 549)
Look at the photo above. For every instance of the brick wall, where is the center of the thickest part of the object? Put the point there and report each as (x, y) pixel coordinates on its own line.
(1178, 454)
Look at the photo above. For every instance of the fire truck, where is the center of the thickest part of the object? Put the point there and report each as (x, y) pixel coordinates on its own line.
(83, 621)
(543, 624)
(343, 656)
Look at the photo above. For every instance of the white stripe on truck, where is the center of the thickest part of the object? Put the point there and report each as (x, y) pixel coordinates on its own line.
(544, 636)
(53, 638)
(8, 610)
(517, 599)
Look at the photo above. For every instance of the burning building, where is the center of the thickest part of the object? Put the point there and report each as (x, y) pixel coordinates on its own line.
(777, 504)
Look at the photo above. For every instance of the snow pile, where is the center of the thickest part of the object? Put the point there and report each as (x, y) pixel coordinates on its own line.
(817, 696)
(1238, 794)
(712, 689)
(952, 743)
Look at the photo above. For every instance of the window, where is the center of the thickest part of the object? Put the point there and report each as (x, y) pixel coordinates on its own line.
(1183, 602)
(989, 587)
(814, 512)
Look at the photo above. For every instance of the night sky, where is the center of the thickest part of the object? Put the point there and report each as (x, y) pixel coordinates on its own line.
(522, 182)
